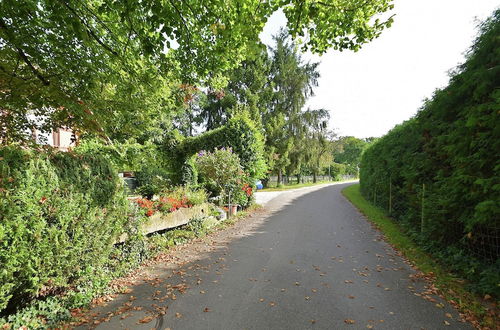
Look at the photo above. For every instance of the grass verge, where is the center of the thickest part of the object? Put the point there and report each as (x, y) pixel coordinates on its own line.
(300, 185)
(482, 314)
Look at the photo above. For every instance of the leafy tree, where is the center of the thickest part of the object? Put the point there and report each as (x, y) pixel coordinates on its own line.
(348, 152)
(85, 64)
(318, 144)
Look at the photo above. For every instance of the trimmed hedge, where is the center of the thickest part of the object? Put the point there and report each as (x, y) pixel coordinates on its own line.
(439, 172)
(59, 216)
(240, 134)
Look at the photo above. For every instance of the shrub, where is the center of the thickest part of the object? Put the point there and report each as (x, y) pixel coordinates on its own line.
(240, 134)
(150, 181)
(59, 216)
(220, 170)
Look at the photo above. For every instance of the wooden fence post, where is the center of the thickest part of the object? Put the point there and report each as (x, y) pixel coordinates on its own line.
(422, 209)
(390, 194)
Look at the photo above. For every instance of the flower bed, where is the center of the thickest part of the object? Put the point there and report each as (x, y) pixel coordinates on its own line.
(172, 200)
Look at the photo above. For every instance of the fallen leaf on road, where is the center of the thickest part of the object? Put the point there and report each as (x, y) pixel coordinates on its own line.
(313, 321)
(178, 315)
(283, 290)
(307, 297)
(448, 315)
(369, 326)
(206, 310)
(439, 305)
(351, 297)
(349, 321)
(202, 292)
(314, 290)
(261, 299)
(297, 283)
(347, 281)
(146, 319)
(446, 322)
(272, 304)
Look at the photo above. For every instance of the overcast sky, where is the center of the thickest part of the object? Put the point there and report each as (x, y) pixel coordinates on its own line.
(384, 83)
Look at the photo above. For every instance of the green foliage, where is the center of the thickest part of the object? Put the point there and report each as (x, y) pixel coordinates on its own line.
(219, 170)
(107, 67)
(239, 134)
(151, 180)
(129, 155)
(44, 314)
(287, 127)
(348, 151)
(337, 171)
(438, 173)
(145, 159)
(59, 216)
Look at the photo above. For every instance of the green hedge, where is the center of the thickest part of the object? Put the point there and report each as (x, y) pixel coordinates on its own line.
(59, 216)
(240, 134)
(439, 172)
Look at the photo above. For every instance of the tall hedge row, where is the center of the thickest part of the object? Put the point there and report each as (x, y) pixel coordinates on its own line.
(439, 173)
(59, 216)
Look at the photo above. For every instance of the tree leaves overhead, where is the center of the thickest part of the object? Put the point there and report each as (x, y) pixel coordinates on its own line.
(337, 24)
(86, 63)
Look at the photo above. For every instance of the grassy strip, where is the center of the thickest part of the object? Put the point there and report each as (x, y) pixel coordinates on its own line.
(301, 185)
(451, 287)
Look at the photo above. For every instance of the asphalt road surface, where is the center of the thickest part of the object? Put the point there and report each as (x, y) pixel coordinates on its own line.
(312, 262)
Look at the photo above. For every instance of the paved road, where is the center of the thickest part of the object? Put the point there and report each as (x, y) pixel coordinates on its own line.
(315, 263)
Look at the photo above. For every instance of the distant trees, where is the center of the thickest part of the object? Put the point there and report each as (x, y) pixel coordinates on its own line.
(348, 151)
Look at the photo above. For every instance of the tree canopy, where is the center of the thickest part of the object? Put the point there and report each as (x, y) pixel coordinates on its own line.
(85, 64)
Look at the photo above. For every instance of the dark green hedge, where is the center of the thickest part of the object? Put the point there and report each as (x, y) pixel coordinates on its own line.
(439, 173)
(59, 216)
(239, 133)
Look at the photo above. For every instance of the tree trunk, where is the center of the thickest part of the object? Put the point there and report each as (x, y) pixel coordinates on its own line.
(298, 178)
(278, 182)
(314, 177)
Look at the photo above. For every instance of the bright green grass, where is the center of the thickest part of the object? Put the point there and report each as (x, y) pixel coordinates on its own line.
(301, 185)
(450, 286)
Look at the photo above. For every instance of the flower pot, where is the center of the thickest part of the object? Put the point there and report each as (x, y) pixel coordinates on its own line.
(232, 209)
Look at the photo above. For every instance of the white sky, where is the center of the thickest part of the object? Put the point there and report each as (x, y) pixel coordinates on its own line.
(384, 83)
